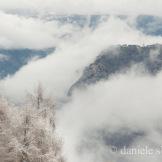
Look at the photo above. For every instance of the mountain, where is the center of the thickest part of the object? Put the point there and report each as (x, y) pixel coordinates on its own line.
(118, 139)
(118, 59)
(92, 21)
(150, 25)
(11, 60)
(115, 60)
(147, 24)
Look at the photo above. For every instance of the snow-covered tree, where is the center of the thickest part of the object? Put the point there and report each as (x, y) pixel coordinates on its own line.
(27, 133)
(8, 144)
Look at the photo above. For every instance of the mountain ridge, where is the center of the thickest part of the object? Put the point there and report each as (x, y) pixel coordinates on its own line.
(117, 59)
(11, 60)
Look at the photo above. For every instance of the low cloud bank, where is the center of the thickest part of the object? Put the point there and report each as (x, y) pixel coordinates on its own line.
(127, 103)
(60, 70)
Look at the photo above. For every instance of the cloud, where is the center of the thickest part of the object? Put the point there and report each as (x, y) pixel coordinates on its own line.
(127, 101)
(137, 106)
(18, 32)
(61, 69)
(85, 6)
(33, 33)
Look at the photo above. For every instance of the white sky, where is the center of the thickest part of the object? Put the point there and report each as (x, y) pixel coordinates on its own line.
(86, 6)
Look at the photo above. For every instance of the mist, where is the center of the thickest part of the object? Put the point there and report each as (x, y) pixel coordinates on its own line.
(127, 104)
(62, 68)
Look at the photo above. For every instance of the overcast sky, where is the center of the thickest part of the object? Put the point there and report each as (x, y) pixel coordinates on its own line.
(86, 6)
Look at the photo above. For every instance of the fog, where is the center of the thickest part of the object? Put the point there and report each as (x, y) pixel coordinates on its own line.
(128, 102)
(61, 69)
